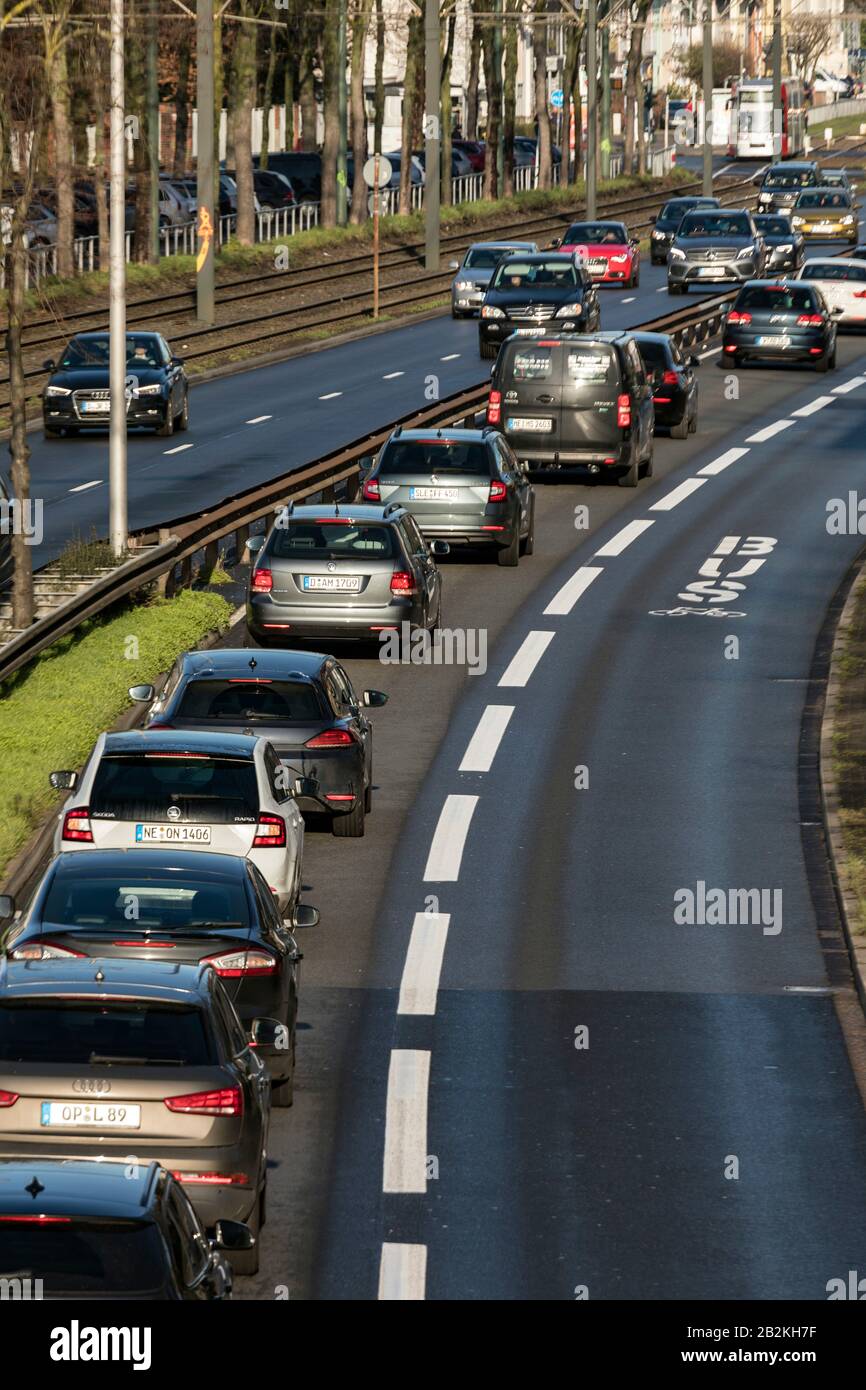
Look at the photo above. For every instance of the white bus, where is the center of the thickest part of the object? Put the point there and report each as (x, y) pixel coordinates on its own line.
(751, 127)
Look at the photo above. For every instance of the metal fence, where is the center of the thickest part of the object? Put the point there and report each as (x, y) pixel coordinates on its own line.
(832, 110)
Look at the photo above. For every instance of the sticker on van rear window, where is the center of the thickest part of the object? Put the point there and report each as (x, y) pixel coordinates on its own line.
(531, 364)
(588, 366)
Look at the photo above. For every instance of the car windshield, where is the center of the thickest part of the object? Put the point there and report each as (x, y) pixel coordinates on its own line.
(596, 233)
(776, 297)
(834, 178)
(719, 224)
(248, 700)
(142, 786)
(833, 270)
(426, 456)
(138, 901)
(789, 178)
(513, 275)
(484, 257)
(141, 349)
(332, 540)
(83, 1033)
(84, 1256)
(824, 198)
(773, 226)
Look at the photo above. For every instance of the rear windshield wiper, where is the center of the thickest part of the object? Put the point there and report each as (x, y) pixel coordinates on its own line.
(100, 1059)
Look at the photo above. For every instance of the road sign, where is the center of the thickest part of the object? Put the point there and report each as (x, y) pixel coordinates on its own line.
(378, 200)
(385, 171)
(556, 98)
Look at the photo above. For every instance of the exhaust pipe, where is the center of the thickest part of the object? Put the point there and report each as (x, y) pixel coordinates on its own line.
(594, 468)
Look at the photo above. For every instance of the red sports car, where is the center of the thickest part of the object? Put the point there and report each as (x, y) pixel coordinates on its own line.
(611, 255)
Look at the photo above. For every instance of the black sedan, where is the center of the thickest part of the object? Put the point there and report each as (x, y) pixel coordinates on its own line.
(302, 702)
(666, 224)
(76, 395)
(785, 247)
(177, 905)
(530, 291)
(788, 321)
(671, 374)
(714, 246)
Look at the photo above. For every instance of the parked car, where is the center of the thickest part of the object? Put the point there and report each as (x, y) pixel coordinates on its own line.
(77, 395)
(42, 225)
(526, 291)
(474, 151)
(671, 374)
(416, 170)
(790, 321)
(303, 169)
(475, 271)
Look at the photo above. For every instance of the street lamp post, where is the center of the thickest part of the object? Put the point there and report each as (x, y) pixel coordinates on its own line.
(342, 161)
(432, 134)
(708, 98)
(204, 280)
(117, 513)
(591, 104)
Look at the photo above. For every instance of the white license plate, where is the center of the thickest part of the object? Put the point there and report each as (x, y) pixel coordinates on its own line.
(73, 1114)
(173, 834)
(709, 270)
(434, 494)
(330, 583)
(95, 407)
(823, 227)
(529, 425)
(773, 340)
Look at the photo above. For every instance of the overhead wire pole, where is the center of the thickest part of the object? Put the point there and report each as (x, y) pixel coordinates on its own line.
(153, 125)
(777, 79)
(432, 134)
(591, 112)
(204, 101)
(117, 506)
(342, 198)
(708, 98)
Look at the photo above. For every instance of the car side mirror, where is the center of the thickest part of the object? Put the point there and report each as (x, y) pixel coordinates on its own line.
(177, 361)
(141, 693)
(453, 265)
(254, 544)
(374, 699)
(7, 907)
(233, 1235)
(305, 786)
(757, 180)
(557, 242)
(441, 548)
(49, 364)
(268, 1036)
(837, 312)
(365, 465)
(63, 781)
(305, 916)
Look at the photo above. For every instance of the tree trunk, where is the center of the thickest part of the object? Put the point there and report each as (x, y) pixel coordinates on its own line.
(379, 72)
(268, 97)
(331, 111)
(569, 77)
(99, 186)
(447, 186)
(542, 114)
(471, 128)
(358, 110)
(62, 122)
(289, 91)
(181, 99)
(241, 120)
(413, 88)
(136, 106)
(19, 450)
(631, 84)
(509, 98)
(493, 86)
(218, 94)
(307, 86)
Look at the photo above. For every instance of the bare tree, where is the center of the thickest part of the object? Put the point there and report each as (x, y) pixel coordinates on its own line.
(446, 147)
(378, 78)
(413, 98)
(572, 105)
(358, 108)
(307, 82)
(243, 96)
(638, 12)
(509, 102)
(185, 34)
(59, 86)
(471, 130)
(542, 113)
(332, 77)
(493, 90)
(270, 39)
(806, 36)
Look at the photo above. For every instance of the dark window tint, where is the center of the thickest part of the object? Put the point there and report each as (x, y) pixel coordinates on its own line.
(532, 363)
(773, 226)
(513, 275)
(590, 365)
(595, 233)
(654, 355)
(696, 224)
(830, 270)
(84, 1034)
(781, 298)
(789, 178)
(116, 1257)
(141, 787)
(484, 257)
(141, 348)
(139, 901)
(426, 456)
(247, 701)
(326, 540)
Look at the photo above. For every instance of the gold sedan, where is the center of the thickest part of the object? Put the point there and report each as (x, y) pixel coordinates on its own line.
(826, 213)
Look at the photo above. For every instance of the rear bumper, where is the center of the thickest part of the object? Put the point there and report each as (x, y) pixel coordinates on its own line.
(284, 622)
(670, 412)
(804, 346)
(595, 459)
(478, 530)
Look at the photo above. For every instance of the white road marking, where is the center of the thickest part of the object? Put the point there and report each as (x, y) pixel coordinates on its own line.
(449, 838)
(567, 597)
(330, 396)
(849, 385)
(679, 494)
(727, 545)
(719, 172)
(389, 376)
(663, 289)
(178, 449)
(617, 544)
(449, 357)
(526, 658)
(710, 352)
(82, 487)
(402, 1273)
(630, 300)
(423, 966)
(724, 461)
(405, 1162)
(769, 431)
(813, 406)
(485, 741)
(257, 419)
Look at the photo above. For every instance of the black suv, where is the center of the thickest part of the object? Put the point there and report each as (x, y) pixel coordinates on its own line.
(304, 170)
(76, 395)
(108, 1230)
(782, 184)
(575, 400)
(529, 290)
(667, 222)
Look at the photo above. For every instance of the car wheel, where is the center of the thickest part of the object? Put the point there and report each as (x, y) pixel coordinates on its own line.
(247, 1261)
(527, 545)
(681, 430)
(647, 469)
(166, 430)
(509, 555)
(488, 350)
(672, 288)
(824, 363)
(693, 423)
(630, 478)
(349, 826)
(181, 421)
(368, 798)
(283, 1092)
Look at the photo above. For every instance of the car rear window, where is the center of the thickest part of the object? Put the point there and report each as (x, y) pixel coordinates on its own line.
(484, 257)
(776, 297)
(138, 901)
(422, 457)
(248, 701)
(141, 786)
(84, 1033)
(696, 224)
(338, 540)
(590, 365)
(832, 270)
(531, 363)
(118, 1257)
(824, 198)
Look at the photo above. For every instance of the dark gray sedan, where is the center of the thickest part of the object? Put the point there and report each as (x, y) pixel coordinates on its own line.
(785, 247)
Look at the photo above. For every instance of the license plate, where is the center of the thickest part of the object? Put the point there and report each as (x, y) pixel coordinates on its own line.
(330, 583)
(62, 1114)
(534, 425)
(95, 407)
(774, 340)
(823, 226)
(433, 494)
(709, 270)
(173, 834)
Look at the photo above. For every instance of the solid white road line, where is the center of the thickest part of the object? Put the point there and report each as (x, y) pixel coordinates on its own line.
(724, 461)
(663, 289)
(710, 352)
(405, 1163)
(389, 376)
(813, 406)
(769, 431)
(449, 357)
(449, 838)
(526, 658)
(483, 744)
(257, 419)
(679, 494)
(179, 449)
(330, 395)
(423, 966)
(630, 300)
(617, 544)
(848, 385)
(567, 597)
(402, 1273)
(82, 487)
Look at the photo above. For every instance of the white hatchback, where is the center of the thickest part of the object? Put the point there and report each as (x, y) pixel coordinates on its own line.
(842, 282)
(221, 792)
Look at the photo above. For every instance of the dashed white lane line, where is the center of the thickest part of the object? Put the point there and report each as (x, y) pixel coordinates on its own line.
(257, 419)
(662, 289)
(179, 449)
(450, 357)
(419, 986)
(402, 1273)
(630, 300)
(526, 658)
(330, 395)
(849, 385)
(563, 601)
(617, 544)
(389, 376)
(679, 494)
(719, 465)
(449, 838)
(817, 404)
(82, 487)
(405, 1163)
(710, 352)
(769, 431)
(483, 744)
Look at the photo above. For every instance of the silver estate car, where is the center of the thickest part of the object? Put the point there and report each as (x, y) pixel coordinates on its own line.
(475, 271)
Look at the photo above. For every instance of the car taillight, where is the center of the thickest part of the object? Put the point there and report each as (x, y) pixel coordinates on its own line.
(8, 1098)
(810, 320)
(270, 832)
(735, 316)
(236, 964)
(494, 408)
(159, 725)
(212, 1179)
(402, 582)
(623, 412)
(370, 491)
(76, 824)
(262, 581)
(44, 950)
(330, 738)
(498, 491)
(670, 378)
(229, 1101)
(860, 294)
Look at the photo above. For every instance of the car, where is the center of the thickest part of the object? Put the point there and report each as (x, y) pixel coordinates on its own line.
(715, 246)
(526, 291)
(303, 703)
(671, 373)
(526, 151)
(785, 247)
(781, 184)
(119, 1230)
(303, 168)
(780, 321)
(857, 253)
(575, 400)
(667, 222)
(464, 486)
(342, 572)
(826, 213)
(42, 225)
(272, 189)
(826, 81)
(206, 791)
(417, 173)
(138, 1060)
(461, 165)
(474, 151)
(842, 282)
(76, 395)
(837, 178)
(176, 204)
(215, 909)
(475, 271)
(607, 251)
